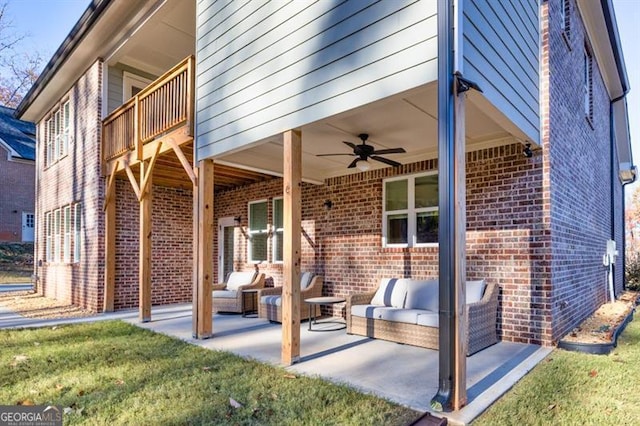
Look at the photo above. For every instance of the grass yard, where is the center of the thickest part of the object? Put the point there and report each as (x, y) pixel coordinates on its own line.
(115, 373)
(16, 262)
(570, 388)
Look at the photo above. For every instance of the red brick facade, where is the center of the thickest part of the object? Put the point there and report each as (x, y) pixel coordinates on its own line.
(17, 196)
(75, 178)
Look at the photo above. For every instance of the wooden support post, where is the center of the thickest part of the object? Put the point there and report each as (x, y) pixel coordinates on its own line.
(144, 275)
(109, 245)
(202, 325)
(292, 216)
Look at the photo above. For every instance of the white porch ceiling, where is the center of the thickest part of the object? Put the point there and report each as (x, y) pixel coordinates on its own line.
(408, 120)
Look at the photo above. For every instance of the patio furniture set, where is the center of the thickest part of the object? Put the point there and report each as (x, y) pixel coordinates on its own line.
(400, 310)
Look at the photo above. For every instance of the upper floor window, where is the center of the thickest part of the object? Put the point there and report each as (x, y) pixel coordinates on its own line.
(566, 18)
(258, 231)
(57, 134)
(410, 210)
(588, 83)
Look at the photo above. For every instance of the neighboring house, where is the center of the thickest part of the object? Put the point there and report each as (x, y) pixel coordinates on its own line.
(17, 177)
(115, 208)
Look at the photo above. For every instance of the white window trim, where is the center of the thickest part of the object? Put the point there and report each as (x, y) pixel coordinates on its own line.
(77, 232)
(57, 134)
(251, 233)
(410, 211)
(128, 81)
(274, 241)
(66, 232)
(48, 236)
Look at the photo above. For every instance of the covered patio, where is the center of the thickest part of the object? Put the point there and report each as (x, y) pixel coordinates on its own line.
(373, 366)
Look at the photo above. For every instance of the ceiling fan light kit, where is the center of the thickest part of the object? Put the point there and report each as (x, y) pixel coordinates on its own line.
(363, 152)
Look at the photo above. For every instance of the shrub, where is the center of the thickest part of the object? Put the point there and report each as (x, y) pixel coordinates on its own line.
(632, 271)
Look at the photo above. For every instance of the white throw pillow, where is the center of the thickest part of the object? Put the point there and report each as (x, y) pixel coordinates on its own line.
(305, 279)
(382, 296)
(475, 290)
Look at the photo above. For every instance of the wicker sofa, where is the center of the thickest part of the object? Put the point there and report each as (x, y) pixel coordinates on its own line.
(227, 296)
(270, 299)
(406, 311)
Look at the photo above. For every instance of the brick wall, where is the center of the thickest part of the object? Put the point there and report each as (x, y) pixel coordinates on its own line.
(75, 178)
(171, 246)
(580, 176)
(17, 180)
(505, 209)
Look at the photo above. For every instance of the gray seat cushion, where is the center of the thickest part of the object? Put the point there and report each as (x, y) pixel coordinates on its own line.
(408, 316)
(229, 294)
(422, 295)
(430, 319)
(271, 300)
(364, 311)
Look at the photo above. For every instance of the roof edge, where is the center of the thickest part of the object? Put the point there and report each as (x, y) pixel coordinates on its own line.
(73, 39)
(616, 46)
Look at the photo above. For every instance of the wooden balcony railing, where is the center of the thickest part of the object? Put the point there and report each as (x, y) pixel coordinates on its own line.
(161, 107)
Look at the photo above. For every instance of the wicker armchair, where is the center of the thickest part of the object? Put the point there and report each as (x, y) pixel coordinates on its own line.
(270, 300)
(227, 297)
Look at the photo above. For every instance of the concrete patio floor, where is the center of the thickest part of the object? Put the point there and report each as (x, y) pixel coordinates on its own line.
(404, 374)
(401, 373)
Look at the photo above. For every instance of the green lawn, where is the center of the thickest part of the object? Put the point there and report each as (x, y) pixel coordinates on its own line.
(570, 388)
(115, 373)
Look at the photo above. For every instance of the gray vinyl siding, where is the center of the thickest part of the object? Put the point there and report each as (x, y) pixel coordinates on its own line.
(501, 51)
(115, 81)
(266, 67)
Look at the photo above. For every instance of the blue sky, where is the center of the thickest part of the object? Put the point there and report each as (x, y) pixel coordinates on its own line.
(49, 21)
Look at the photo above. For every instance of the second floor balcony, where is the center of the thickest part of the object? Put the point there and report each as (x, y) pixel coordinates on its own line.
(163, 109)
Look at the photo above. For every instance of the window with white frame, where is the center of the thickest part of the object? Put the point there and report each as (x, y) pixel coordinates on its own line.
(63, 234)
(258, 231)
(57, 134)
(56, 234)
(49, 237)
(77, 234)
(278, 229)
(410, 210)
(588, 83)
(565, 15)
(66, 229)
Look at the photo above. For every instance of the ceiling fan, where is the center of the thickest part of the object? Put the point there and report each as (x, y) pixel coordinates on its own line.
(364, 152)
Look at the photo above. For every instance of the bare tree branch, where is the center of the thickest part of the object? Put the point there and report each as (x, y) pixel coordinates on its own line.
(19, 68)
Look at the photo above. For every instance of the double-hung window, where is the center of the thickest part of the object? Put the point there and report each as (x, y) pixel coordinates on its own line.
(48, 224)
(588, 83)
(66, 226)
(77, 234)
(278, 229)
(258, 231)
(57, 134)
(410, 210)
(56, 234)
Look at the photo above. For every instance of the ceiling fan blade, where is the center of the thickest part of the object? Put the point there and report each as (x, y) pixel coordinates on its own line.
(328, 155)
(353, 163)
(389, 151)
(386, 161)
(349, 144)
